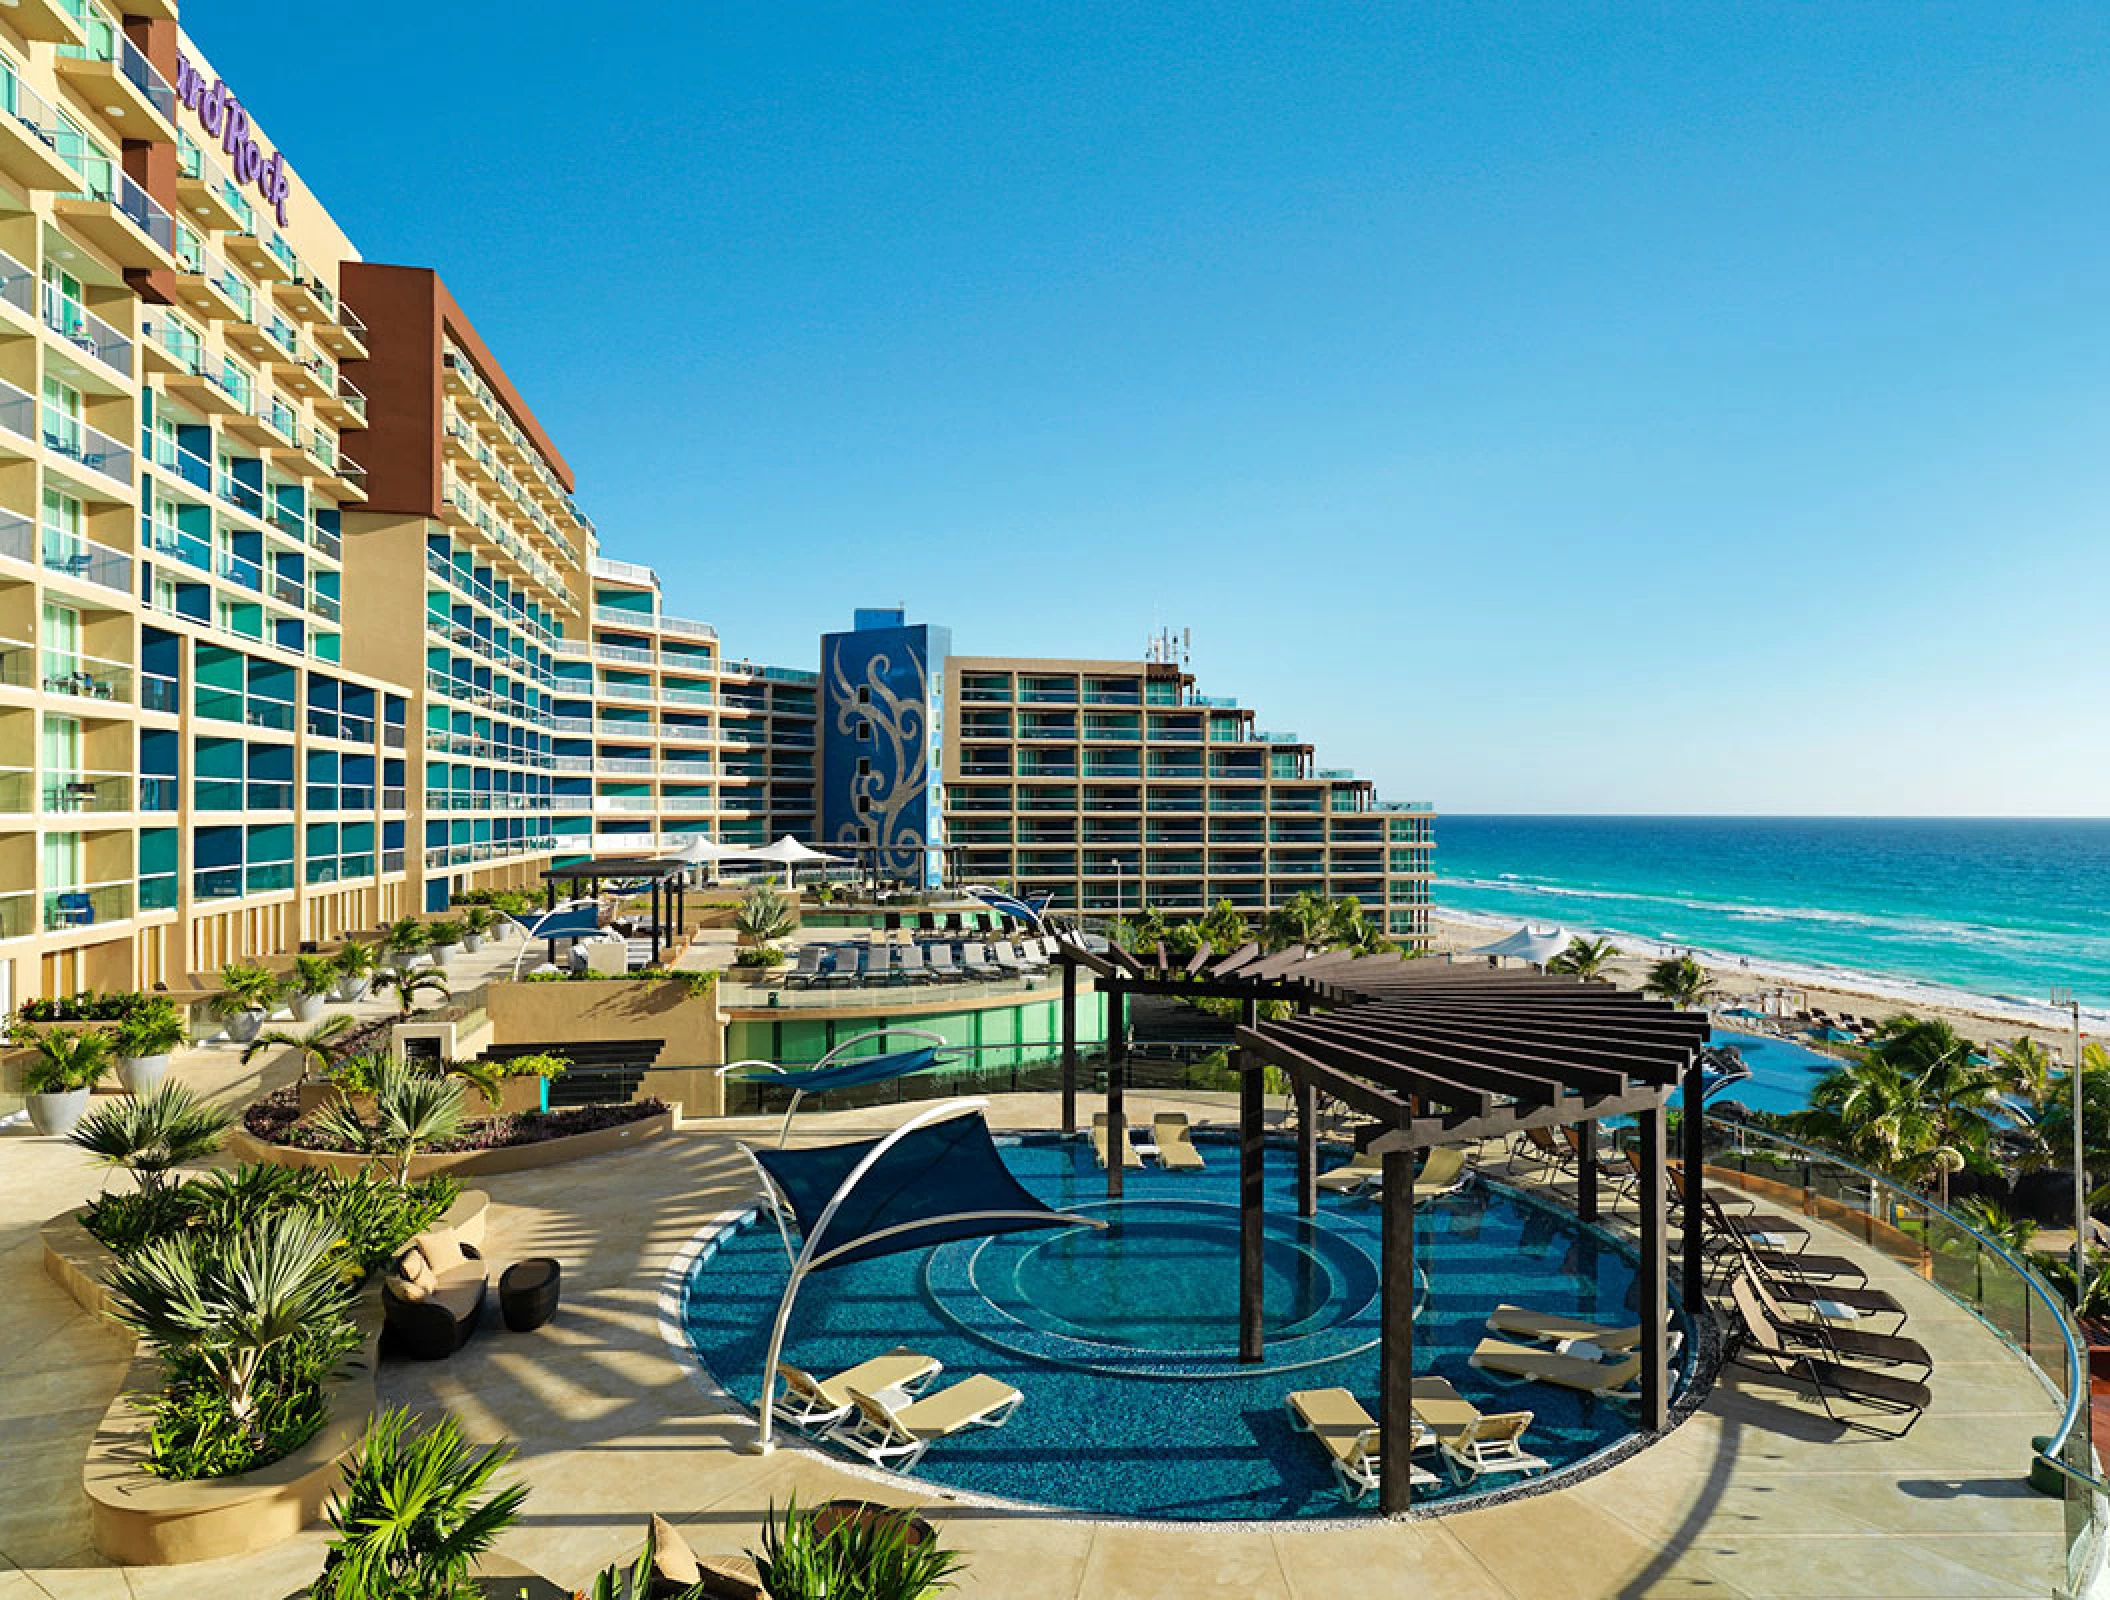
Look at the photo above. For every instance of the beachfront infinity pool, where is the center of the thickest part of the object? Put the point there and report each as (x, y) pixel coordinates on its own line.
(1124, 1340)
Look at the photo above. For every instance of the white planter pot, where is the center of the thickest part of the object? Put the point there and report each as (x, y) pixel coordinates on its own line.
(350, 989)
(472, 942)
(445, 953)
(142, 1075)
(54, 1115)
(308, 1007)
(245, 1025)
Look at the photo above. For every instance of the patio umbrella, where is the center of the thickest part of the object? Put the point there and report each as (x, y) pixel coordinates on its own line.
(788, 853)
(1535, 945)
(702, 852)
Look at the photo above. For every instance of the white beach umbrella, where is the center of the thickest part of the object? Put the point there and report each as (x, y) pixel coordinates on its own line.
(702, 852)
(788, 853)
(1535, 945)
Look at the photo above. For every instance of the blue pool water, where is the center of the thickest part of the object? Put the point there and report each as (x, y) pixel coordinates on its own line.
(1124, 1340)
(1782, 1072)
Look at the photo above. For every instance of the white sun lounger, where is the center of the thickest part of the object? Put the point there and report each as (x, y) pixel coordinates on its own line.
(891, 1435)
(1130, 1155)
(1349, 1437)
(1546, 1327)
(1175, 1146)
(1608, 1380)
(1473, 1441)
(810, 1402)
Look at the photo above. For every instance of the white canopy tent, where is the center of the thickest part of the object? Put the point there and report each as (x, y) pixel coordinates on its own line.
(1535, 945)
(703, 852)
(788, 853)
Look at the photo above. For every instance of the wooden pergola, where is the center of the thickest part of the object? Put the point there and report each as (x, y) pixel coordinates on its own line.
(667, 875)
(1430, 1054)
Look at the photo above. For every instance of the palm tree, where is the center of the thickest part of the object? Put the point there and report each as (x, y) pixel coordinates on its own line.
(2024, 1066)
(1870, 1109)
(1584, 958)
(412, 1109)
(414, 1513)
(1994, 1220)
(1301, 919)
(151, 1135)
(227, 1303)
(1224, 929)
(409, 984)
(1961, 1098)
(1680, 980)
(318, 1047)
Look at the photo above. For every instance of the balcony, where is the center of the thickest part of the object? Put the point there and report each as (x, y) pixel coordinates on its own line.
(72, 793)
(29, 142)
(167, 347)
(111, 72)
(105, 460)
(205, 190)
(85, 905)
(83, 677)
(88, 333)
(311, 299)
(257, 248)
(116, 216)
(85, 560)
(347, 404)
(345, 334)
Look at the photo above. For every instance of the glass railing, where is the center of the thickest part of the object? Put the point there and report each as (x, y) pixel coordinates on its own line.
(1975, 1271)
(157, 891)
(217, 883)
(18, 284)
(91, 448)
(86, 677)
(76, 557)
(349, 393)
(87, 332)
(159, 792)
(84, 905)
(158, 692)
(101, 179)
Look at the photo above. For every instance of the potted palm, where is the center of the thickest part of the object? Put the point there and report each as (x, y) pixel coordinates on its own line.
(355, 965)
(313, 979)
(405, 941)
(446, 937)
(143, 1042)
(247, 995)
(57, 1082)
(477, 922)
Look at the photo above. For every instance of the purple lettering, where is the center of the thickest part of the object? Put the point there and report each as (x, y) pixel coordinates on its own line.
(212, 111)
(273, 184)
(189, 84)
(237, 126)
(225, 120)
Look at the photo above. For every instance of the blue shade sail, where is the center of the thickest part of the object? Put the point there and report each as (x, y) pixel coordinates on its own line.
(939, 1182)
(849, 1074)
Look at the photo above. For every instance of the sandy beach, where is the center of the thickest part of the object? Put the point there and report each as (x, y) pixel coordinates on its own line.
(1986, 1021)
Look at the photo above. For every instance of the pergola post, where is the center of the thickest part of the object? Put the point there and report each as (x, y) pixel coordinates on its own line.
(549, 903)
(655, 921)
(1654, 1307)
(1069, 1047)
(1395, 1359)
(1116, 1072)
(1693, 1125)
(1307, 1147)
(1586, 1171)
(1252, 1203)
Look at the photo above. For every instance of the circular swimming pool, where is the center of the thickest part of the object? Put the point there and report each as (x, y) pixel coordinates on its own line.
(1123, 1339)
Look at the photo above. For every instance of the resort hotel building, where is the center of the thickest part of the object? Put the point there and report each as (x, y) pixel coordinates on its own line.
(232, 453)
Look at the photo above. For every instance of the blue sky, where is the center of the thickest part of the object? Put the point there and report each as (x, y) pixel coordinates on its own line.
(1625, 408)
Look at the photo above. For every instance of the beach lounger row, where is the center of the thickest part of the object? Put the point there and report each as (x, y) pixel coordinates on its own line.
(1469, 1441)
(1444, 1171)
(1171, 1133)
(883, 962)
(1851, 1373)
(878, 1407)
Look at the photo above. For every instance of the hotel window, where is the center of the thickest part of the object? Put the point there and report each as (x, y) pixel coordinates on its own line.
(63, 546)
(62, 419)
(62, 643)
(63, 307)
(86, 157)
(190, 249)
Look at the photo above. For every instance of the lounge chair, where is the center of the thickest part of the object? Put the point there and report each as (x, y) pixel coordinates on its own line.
(1361, 1168)
(1609, 1380)
(849, 964)
(1443, 1172)
(1007, 958)
(815, 1403)
(1828, 1379)
(1547, 1327)
(908, 964)
(891, 1436)
(1473, 1441)
(974, 955)
(1349, 1436)
(1832, 1333)
(1542, 1147)
(1175, 1145)
(1762, 1230)
(938, 962)
(809, 970)
(1130, 1155)
(1860, 1299)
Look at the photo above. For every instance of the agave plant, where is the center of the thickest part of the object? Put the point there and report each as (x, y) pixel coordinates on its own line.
(764, 914)
(318, 1046)
(416, 1510)
(227, 1303)
(412, 1109)
(409, 983)
(151, 1135)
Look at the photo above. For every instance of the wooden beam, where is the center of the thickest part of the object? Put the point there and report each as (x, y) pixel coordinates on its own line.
(1419, 1132)
(1586, 1171)
(1395, 1360)
(1245, 953)
(1355, 1093)
(1307, 1147)
(1497, 1072)
(1692, 1124)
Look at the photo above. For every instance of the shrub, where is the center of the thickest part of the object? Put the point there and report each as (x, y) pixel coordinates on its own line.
(443, 933)
(153, 1028)
(761, 955)
(764, 914)
(541, 1065)
(195, 1434)
(314, 974)
(66, 1060)
(152, 1135)
(872, 1557)
(244, 986)
(90, 1005)
(412, 1109)
(415, 1511)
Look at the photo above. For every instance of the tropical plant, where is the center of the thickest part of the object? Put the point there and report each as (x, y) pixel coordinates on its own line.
(1961, 1096)
(314, 975)
(543, 1064)
(1680, 980)
(412, 1109)
(761, 955)
(1303, 919)
(1224, 929)
(415, 1511)
(222, 1305)
(244, 986)
(443, 933)
(765, 914)
(151, 1135)
(153, 1029)
(406, 937)
(1915, 1105)
(318, 1046)
(478, 920)
(355, 960)
(2055, 1125)
(2024, 1069)
(409, 983)
(1997, 1223)
(881, 1555)
(2094, 1304)
(66, 1059)
(639, 1582)
(1584, 958)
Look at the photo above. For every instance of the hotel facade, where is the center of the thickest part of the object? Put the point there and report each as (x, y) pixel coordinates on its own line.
(230, 449)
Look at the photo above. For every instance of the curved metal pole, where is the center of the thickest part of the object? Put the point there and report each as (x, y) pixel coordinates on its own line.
(957, 1216)
(784, 1133)
(770, 1197)
(804, 1264)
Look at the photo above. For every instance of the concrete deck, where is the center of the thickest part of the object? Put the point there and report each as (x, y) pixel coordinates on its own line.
(1757, 1495)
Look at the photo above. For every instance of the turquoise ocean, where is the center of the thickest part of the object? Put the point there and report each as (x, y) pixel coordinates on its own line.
(1999, 909)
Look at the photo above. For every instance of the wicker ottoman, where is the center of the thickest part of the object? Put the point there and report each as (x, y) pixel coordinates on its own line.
(527, 1294)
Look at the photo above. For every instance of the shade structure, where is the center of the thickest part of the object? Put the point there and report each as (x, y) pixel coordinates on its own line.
(1028, 910)
(574, 921)
(847, 1074)
(1535, 945)
(705, 852)
(943, 1181)
(787, 852)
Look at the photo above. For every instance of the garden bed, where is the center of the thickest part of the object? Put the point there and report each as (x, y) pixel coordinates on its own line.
(272, 1131)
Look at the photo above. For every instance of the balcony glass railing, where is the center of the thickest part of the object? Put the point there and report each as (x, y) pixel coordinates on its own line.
(101, 179)
(89, 447)
(74, 556)
(87, 792)
(158, 692)
(18, 284)
(159, 792)
(87, 904)
(86, 677)
(87, 332)
(157, 891)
